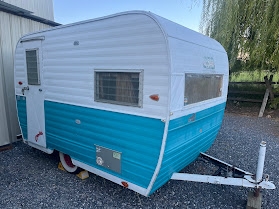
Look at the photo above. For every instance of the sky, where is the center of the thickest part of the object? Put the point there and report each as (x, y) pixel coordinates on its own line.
(183, 12)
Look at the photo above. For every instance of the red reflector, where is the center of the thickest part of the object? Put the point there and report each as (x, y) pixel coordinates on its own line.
(20, 83)
(154, 97)
(125, 184)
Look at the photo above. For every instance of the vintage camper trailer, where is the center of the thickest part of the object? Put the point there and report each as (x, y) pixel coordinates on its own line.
(132, 97)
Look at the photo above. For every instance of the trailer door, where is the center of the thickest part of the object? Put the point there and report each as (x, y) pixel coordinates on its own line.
(32, 89)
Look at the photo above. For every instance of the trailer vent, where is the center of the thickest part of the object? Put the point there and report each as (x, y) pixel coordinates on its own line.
(200, 87)
(122, 88)
(32, 64)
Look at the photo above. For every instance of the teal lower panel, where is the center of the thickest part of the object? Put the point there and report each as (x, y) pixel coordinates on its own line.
(22, 114)
(187, 137)
(76, 130)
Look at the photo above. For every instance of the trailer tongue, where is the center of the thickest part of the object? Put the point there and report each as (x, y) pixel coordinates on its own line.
(228, 174)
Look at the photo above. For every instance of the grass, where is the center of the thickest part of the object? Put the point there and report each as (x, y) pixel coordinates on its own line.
(247, 76)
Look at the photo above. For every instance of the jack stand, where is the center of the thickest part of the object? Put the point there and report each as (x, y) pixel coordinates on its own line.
(254, 200)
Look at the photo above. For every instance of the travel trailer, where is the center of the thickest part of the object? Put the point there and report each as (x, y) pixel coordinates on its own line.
(132, 97)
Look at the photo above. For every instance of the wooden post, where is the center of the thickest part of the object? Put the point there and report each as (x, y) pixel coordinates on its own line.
(268, 92)
(264, 103)
(268, 83)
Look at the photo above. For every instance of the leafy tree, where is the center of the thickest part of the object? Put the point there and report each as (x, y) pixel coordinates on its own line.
(248, 30)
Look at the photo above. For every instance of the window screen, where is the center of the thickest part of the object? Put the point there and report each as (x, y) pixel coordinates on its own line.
(32, 67)
(202, 87)
(121, 88)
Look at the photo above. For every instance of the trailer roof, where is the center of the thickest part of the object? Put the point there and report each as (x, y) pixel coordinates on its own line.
(171, 30)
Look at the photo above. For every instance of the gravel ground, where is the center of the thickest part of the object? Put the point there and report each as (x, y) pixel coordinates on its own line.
(30, 178)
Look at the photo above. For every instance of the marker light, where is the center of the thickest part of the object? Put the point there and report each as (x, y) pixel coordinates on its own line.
(125, 184)
(155, 97)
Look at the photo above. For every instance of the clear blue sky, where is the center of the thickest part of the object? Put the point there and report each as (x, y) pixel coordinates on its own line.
(184, 12)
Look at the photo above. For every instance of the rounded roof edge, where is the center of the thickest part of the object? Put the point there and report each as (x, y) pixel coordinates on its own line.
(168, 27)
(175, 30)
(92, 20)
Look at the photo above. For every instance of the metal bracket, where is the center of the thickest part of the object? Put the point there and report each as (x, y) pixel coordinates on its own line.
(24, 89)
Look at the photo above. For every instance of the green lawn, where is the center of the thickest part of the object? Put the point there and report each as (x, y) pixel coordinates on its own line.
(251, 76)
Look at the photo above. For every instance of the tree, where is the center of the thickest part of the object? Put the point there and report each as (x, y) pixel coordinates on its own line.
(248, 30)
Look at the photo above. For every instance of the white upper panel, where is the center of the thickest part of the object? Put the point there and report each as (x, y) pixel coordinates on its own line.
(124, 42)
(135, 40)
(182, 33)
(192, 52)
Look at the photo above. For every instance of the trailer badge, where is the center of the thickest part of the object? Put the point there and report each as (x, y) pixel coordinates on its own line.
(208, 63)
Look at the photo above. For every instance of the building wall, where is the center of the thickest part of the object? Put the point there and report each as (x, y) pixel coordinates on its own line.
(11, 29)
(41, 8)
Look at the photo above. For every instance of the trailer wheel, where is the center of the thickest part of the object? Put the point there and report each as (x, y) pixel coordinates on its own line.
(68, 164)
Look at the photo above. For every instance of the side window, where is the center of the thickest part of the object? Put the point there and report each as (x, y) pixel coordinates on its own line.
(32, 64)
(122, 88)
(200, 87)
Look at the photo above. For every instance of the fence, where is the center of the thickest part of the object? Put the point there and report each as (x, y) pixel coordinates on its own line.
(252, 91)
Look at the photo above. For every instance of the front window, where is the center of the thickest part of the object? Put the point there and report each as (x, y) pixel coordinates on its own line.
(200, 87)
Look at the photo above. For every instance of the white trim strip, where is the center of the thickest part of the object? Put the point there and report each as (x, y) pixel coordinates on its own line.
(160, 160)
(119, 70)
(110, 177)
(38, 38)
(111, 109)
(167, 120)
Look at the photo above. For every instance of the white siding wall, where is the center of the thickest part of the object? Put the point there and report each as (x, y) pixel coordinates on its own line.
(11, 29)
(125, 42)
(41, 8)
(193, 62)
(188, 50)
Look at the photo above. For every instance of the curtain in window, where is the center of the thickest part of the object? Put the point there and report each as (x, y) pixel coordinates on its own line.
(126, 90)
(117, 87)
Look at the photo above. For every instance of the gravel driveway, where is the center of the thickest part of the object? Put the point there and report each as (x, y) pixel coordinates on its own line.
(30, 178)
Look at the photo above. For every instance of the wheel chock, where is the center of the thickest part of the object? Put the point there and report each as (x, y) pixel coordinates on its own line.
(60, 166)
(83, 175)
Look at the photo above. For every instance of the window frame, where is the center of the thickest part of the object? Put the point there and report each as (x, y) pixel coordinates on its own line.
(140, 93)
(38, 66)
(204, 74)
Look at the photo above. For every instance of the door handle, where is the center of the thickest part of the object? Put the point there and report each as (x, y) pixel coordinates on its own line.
(24, 89)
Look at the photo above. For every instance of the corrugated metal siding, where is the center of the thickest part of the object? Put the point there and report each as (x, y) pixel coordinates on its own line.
(187, 138)
(137, 138)
(4, 133)
(41, 8)
(22, 115)
(11, 29)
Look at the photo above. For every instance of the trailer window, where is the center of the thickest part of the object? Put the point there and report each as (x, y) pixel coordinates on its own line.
(202, 87)
(32, 64)
(122, 88)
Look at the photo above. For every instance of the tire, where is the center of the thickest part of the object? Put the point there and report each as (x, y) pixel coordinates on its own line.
(68, 164)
